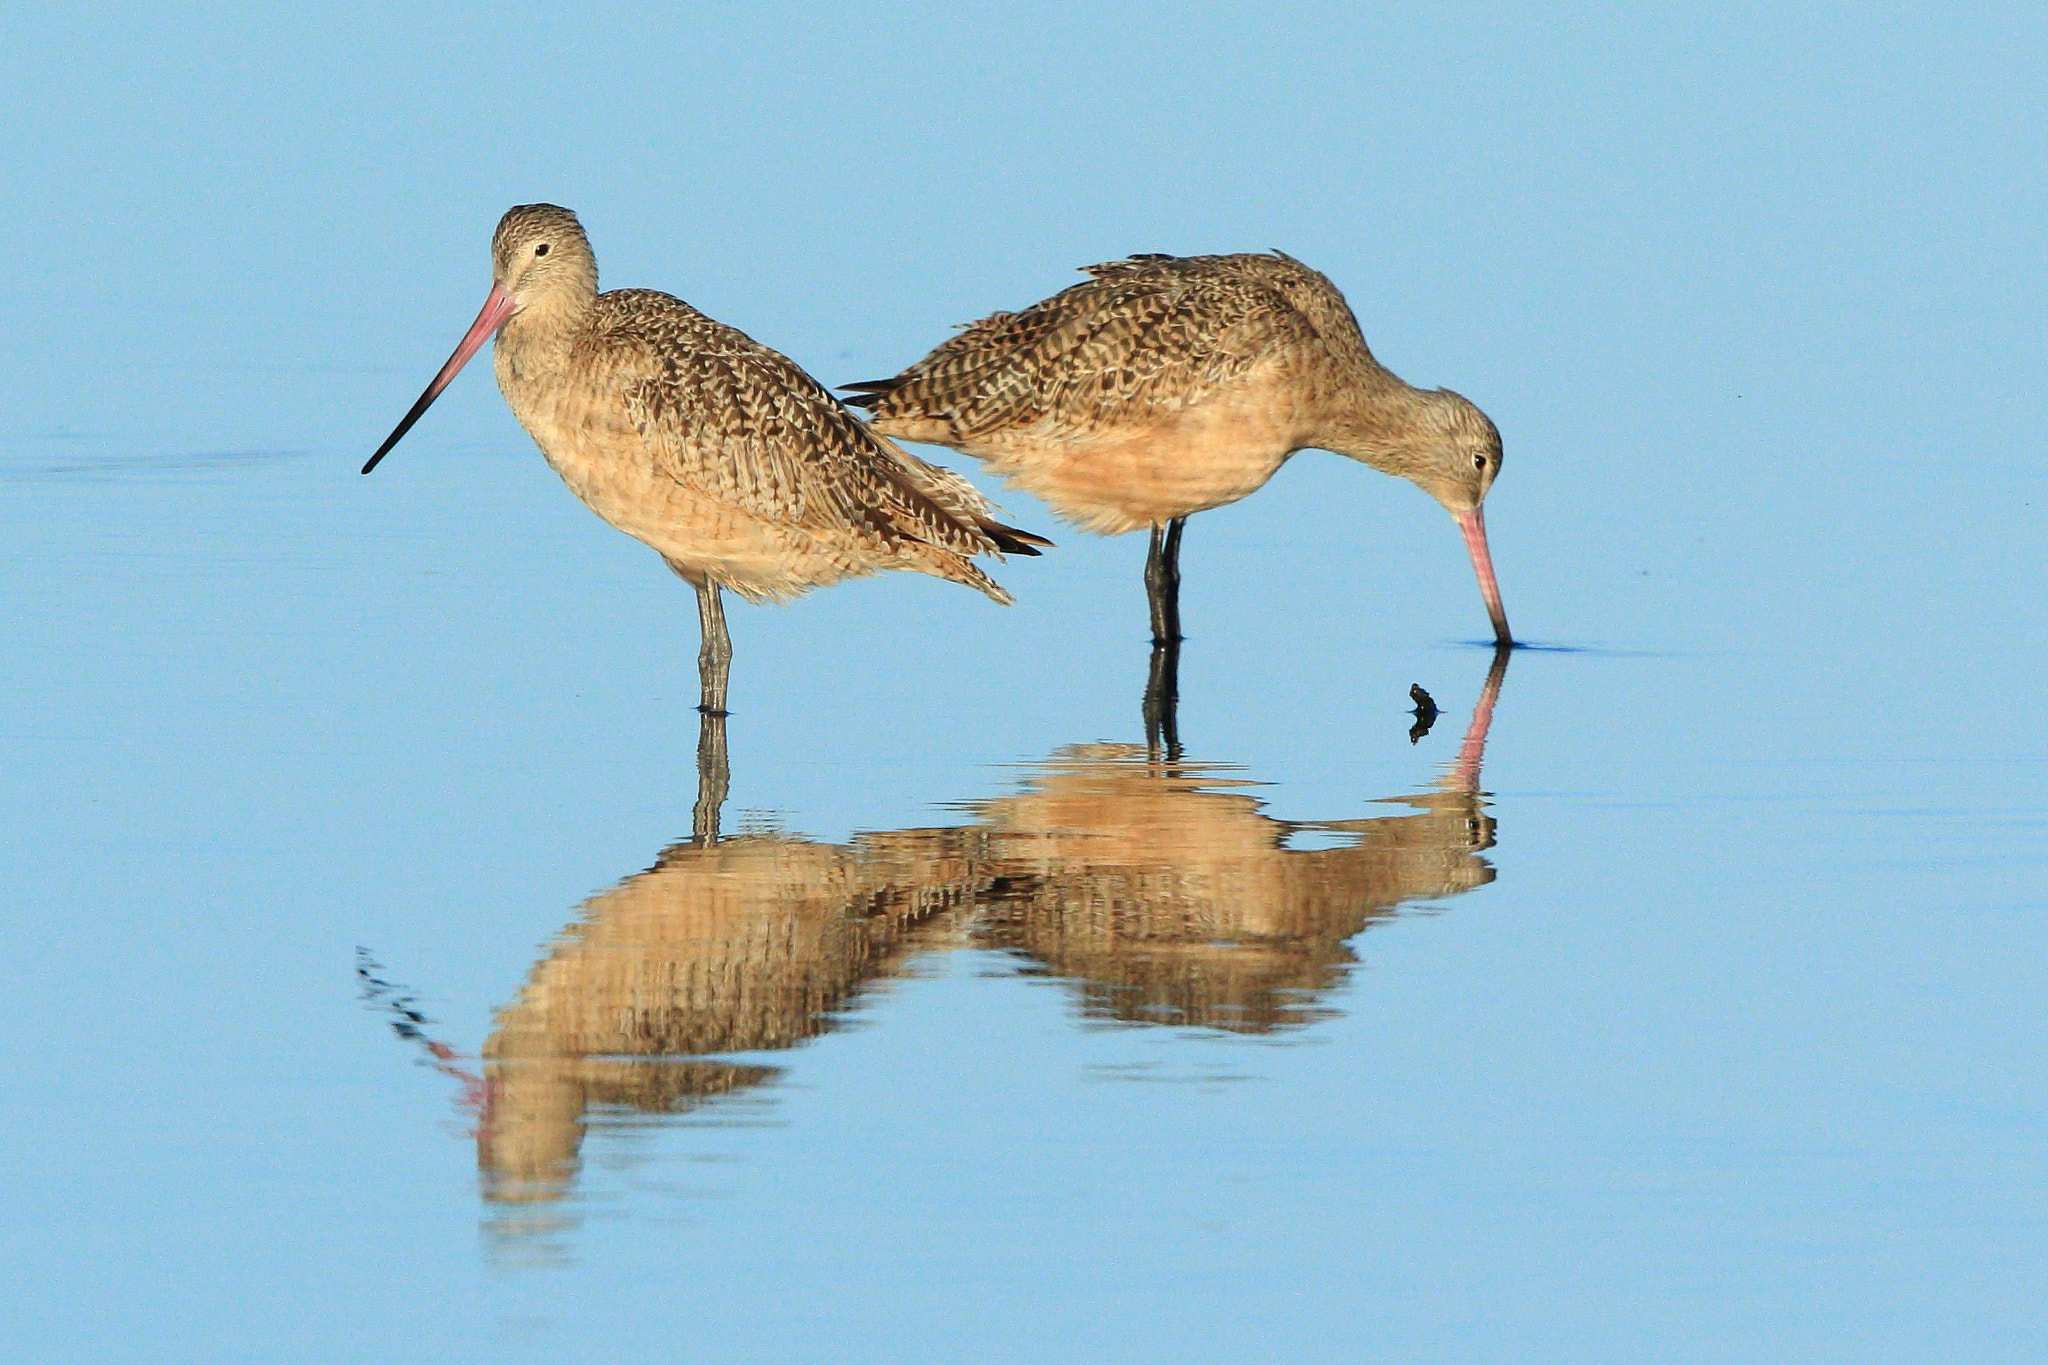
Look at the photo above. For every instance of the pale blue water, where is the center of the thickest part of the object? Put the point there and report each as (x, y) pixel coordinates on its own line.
(1724, 1043)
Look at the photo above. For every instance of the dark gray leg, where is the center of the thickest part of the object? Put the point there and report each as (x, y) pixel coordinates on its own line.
(1162, 702)
(1162, 581)
(714, 777)
(714, 656)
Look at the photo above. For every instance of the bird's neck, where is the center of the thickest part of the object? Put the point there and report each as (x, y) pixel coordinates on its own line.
(1374, 417)
(543, 331)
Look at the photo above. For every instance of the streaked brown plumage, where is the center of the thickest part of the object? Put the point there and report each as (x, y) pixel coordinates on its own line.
(741, 470)
(1170, 897)
(1165, 386)
(1162, 891)
(752, 944)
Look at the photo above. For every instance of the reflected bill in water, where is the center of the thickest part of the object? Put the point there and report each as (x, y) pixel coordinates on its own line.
(1155, 884)
(1159, 886)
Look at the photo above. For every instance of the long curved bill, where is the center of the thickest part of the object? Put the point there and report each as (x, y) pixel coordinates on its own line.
(496, 309)
(1473, 524)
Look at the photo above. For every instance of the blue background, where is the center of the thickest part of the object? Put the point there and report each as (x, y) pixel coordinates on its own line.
(1740, 1058)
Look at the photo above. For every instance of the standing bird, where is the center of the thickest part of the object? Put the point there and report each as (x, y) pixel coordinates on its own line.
(739, 469)
(1167, 385)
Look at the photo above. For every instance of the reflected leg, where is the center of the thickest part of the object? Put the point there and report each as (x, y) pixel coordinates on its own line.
(714, 776)
(1162, 702)
(1162, 581)
(714, 656)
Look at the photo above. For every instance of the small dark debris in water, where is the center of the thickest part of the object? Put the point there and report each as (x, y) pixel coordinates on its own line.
(1424, 713)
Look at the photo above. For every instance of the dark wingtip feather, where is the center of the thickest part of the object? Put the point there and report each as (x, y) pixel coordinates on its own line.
(1012, 541)
(868, 393)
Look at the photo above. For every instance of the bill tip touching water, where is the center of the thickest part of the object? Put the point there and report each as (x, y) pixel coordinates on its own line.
(1162, 387)
(1165, 386)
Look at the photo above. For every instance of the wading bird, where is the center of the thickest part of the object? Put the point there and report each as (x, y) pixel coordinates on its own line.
(738, 468)
(1168, 385)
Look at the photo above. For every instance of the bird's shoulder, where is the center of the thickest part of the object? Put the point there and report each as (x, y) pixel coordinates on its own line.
(744, 424)
(1142, 332)
(684, 363)
(1267, 293)
(649, 324)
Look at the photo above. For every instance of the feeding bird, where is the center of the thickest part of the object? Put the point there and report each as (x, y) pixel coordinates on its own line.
(724, 456)
(1168, 385)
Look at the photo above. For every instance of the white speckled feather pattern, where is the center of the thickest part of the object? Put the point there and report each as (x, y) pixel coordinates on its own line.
(721, 454)
(1167, 385)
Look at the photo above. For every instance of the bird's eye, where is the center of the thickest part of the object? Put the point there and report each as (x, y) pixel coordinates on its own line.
(1479, 463)
(541, 250)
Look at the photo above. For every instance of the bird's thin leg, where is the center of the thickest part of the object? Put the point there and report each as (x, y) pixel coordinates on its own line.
(714, 656)
(714, 776)
(1171, 577)
(1162, 581)
(1162, 703)
(1154, 565)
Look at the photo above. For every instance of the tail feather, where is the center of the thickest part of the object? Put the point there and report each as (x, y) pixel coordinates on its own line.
(953, 498)
(869, 393)
(1013, 541)
(959, 569)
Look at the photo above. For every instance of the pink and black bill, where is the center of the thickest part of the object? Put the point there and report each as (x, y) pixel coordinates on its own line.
(497, 308)
(1473, 524)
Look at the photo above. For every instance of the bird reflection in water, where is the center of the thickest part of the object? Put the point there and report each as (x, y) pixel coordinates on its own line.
(1154, 883)
(1159, 887)
(749, 943)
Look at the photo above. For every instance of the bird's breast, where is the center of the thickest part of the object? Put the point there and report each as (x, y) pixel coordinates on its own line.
(589, 437)
(1119, 476)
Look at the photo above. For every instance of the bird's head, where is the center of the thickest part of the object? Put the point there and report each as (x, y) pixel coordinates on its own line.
(1457, 460)
(1454, 452)
(541, 265)
(539, 256)
(1450, 449)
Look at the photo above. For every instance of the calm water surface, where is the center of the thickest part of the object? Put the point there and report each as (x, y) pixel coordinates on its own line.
(375, 986)
(378, 989)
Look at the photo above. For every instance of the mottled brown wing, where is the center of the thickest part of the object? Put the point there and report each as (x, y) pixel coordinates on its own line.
(1310, 293)
(747, 426)
(1141, 335)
